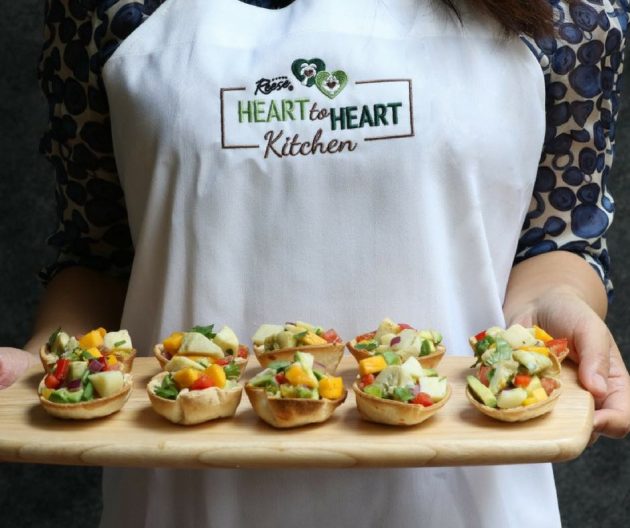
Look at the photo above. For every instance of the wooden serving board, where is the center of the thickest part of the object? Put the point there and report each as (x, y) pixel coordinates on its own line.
(137, 437)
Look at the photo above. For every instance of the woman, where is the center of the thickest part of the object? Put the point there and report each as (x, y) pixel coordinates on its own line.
(336, 162)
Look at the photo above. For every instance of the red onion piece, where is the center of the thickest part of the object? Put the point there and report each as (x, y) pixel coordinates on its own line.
(394, 341)
(95, 366)
(74, 384)
(167, 355)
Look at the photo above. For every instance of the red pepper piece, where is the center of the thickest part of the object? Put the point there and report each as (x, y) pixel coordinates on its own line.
(51, 381)
(242, 351)
(203, 382)
(61, 369)
(422, 398)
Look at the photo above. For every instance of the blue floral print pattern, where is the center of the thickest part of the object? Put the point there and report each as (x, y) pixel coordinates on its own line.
(571, 206)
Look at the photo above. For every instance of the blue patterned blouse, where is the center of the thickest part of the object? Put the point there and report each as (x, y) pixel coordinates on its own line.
(571, 208)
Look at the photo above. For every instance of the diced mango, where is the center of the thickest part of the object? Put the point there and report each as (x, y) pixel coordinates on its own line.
(94, 352)
(296, 375)
(101, 331)
(372, 365)
(540, 334)
(538, 350)
(529, 401)
(540, 394)
(111, 360)
(217, 375)
(186, 377)
(331, 388)
(46, 392)
(173, 342)
(91, 339)
(311, 338)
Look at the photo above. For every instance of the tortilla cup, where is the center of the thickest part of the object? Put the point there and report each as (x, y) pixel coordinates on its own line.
(328, 355)
(428, 361)
(88, 410)
(391, 412)
(194, 407)
(518, 414)
(158, 352)
(284, 413)
(125, 358)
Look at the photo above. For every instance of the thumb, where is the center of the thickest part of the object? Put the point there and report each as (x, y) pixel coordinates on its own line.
(13, 363)
(592, 344)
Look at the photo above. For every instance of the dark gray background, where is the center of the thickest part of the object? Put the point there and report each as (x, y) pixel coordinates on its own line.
(594, 490)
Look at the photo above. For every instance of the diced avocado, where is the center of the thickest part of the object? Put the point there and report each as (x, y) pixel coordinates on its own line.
(279, 364)
(264, 331)
(483, 393)
(306, 360)
(429, 372)
(285, 339)
(66, 396)
(391, 358)
(198, 344)
(59, 340)
(375, 389)
(117, 340)
(264, 378)
(403, 394)
(427, 347)
(394, 376)
(88, 392)
(77, 369)
(227, 340)
(510, 398)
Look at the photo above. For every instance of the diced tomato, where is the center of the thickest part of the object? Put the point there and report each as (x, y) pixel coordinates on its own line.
(404, 326)
(103, 361)
(202, 382)
(483, 375)
(557, 346)
(281, 378)
(51, 381)
(422, 398)
(522, 380)
(480, 335)
(242, 351)
(366, 379)
(331, 336)
(221, 361)
(61, 369)
(365, 337)
(549, 384)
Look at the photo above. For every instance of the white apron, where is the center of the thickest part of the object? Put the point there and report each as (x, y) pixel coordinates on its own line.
(334, 162)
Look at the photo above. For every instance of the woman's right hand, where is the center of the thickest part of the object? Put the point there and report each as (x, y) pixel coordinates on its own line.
(13, 363)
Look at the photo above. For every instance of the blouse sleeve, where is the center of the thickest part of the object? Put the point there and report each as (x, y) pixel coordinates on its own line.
(571, 207)
(92, 228)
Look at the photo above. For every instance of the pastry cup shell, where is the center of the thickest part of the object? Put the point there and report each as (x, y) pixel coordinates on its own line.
(518, 414)
(88, 410)
(391, 412)
(48, 359)
(328, 355)
(284, 413)
(428, 361)
(158, 352)
(194, 407)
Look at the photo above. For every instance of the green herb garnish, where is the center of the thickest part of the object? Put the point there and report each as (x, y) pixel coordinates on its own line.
(205, 330)
(167, 389)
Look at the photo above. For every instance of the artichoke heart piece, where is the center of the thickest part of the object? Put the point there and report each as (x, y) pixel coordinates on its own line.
(533, 362)
(503, 373)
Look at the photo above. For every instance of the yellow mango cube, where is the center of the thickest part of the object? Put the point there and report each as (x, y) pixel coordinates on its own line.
(331, 388)
(101, 331)
(296, 375)
(217, 375)
(540, 334)
(110, 359)
(529, 401)
(540, 394)
(186, 377)
(538, 350)
(371, 365)
(94, 352)
(173, 342)
(46, 392)
(311, 338)
(91, 339)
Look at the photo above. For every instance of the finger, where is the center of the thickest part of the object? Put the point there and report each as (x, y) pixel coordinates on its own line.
(592, 343)
(613, 416)
(13, 363)
(611, 423)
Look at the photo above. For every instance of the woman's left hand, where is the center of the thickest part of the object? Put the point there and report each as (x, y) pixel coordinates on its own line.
(601, 368)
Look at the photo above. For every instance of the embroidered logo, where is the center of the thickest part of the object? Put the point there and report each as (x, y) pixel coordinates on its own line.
(306, 70)
(331, 84)
(303, 124)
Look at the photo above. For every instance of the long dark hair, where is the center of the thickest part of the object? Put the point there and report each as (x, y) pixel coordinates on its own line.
(529, 17)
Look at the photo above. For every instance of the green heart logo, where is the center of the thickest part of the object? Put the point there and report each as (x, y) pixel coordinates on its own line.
(306, 70)
(331, 84)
